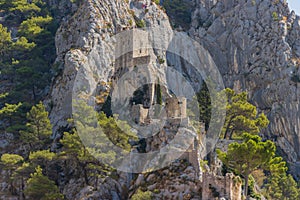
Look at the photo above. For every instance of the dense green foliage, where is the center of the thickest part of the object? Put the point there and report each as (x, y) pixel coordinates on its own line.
(40, 187)
(282, 187)
(74, 158)
(75, 152)
(205, 106)
(8, 111)
(28, 51)
(242, 116)
(38, 128)
(250, 154)
(11, 160)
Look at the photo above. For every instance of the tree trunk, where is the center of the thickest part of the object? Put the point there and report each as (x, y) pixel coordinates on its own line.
(86, 178)
(230, 135)
(227, 127)
(246, 186)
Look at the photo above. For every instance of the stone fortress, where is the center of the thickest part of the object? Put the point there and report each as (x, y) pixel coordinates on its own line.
(132, 52)
(175, 115)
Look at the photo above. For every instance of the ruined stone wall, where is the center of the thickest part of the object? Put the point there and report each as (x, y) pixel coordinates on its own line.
(227, 186)
(176, 107)
(140, 60)
(177, 122)
(124, 61)
(139, 114)
(132, 49)
(192, 156)
(140, 44)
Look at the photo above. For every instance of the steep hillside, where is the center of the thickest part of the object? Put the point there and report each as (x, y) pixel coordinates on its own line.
(255, 44)
(132, 116)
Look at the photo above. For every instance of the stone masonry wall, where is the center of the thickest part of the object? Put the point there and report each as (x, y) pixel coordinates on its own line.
(176, 107)
(139, 114)
(228, 186)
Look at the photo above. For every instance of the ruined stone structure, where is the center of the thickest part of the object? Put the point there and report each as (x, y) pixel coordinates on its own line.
(213, 186)
(139, 114)
(176, 107)
(192, 156)
(176, 119)
(132, 49)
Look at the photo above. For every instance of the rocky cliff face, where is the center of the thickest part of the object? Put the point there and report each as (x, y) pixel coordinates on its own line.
(85, 47)
(255, 45)
(79, 42)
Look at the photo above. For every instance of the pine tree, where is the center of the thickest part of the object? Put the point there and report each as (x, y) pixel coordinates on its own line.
(42, 158)
(282, 187)
(93, 145)
(248, 156)
(23, 6)
(5, 41)
(204, 105)
(92, 161)
(112, 130)
(33, 26)
(8, 111)
(41, 187)
(21, 174)
(11, 162)
(22, 45)
(39, 128)
(242, 116)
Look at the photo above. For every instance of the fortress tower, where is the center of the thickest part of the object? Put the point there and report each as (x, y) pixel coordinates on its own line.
(132, 49)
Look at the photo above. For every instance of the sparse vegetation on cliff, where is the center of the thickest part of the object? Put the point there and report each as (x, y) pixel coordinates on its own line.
(255, 45)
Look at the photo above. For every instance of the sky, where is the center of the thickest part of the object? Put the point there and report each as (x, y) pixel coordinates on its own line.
(294, 5)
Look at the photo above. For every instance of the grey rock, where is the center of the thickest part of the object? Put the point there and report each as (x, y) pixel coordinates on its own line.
(258, 53)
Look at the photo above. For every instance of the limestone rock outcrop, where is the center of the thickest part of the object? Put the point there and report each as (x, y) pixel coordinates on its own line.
(255, 45)
(104, 189)
(175, 182)
(80, 42)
